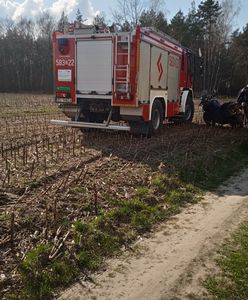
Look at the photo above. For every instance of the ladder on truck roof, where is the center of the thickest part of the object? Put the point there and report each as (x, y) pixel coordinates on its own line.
(122, 64)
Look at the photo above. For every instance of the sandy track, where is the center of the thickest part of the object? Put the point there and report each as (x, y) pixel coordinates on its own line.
(171, 263)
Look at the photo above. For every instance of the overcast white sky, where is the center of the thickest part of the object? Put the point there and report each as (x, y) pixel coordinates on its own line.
(31, 8)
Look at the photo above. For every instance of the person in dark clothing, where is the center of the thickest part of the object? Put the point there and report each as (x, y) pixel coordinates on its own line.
(243, 100)
(243, 95)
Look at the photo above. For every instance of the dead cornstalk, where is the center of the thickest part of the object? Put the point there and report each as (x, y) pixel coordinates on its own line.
(60, 185)
(95, 199)
(11, 149)
(15, 158)
(26, 155)
(46, 221)
(73, 144)
(66, 180)
(55, 208)
(57, 152)
(6, 161)
(84, 170)
(53, 255)
(7, 175)
(37, 150)
(23, 155)
(32, 169)
(12, 224)
(45, 166)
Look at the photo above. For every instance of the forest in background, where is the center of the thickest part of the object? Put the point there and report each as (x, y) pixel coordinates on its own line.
(26, 45)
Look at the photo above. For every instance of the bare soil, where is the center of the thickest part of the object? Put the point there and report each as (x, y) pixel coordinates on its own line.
(172, 263)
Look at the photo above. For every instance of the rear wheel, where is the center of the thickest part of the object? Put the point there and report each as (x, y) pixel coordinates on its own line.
(157, 117)
(189, 110)
(152, 127)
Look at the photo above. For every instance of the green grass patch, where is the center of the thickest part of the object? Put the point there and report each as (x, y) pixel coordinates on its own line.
(165, 183)
(40, 275)
(142, 221)
(232, 281)
(215, 169)
(88, 260)
(103, 236)
(174, 190)
(180, 197)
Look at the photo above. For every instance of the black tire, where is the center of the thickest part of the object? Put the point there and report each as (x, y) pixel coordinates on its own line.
(206, 119)
(237, 121)
(157, 118)
(189, 110)
(245, 110)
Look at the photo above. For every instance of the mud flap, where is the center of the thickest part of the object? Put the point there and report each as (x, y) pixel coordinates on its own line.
(140, 128)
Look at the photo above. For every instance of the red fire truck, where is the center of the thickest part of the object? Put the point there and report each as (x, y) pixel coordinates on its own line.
(133, 81)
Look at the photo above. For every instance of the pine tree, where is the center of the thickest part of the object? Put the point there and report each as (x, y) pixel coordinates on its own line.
(178, 27)
(151, 18)
(62, 22)
(208, 13)
(99, 20)
(79, 16)
(195, 29)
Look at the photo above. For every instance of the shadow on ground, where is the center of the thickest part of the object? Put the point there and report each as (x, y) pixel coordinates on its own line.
(197, 154)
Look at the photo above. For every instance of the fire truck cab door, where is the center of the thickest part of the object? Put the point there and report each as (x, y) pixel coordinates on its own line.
(94, 66)
(159, 62)
(173, 78)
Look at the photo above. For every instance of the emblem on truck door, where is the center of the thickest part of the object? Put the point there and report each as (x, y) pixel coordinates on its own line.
(63, 45)
(160, 67)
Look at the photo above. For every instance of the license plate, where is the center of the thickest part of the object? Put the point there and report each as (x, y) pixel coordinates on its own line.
(63, 100)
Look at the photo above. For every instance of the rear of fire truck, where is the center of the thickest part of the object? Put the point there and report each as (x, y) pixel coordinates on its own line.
(131, 81)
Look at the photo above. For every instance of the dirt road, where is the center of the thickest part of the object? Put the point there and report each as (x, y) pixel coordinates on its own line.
(171, 262)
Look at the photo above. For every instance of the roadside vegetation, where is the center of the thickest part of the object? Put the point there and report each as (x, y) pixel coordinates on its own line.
(231, 282)
(223, 165)
(69, 200)
(102, 236)
(109, 231)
